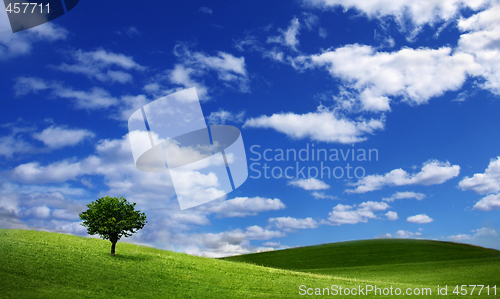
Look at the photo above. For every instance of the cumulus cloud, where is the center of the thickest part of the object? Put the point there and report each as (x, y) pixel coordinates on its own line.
(226, 243)
(416, 75)
(40, 207)
(481, 38)
(288, 37)
(58, 172)
(417, 13)
(320, 126)
(404, 195)
(346, 214)
(420, 219)
(243, 206)
(484, 183)
(112, 163)
(484, 232)
(391, 215)
(433, 172)
(309, 184)
(58, 137)
(401, 234)
(406, 234)
(488, 203)
(290, 224)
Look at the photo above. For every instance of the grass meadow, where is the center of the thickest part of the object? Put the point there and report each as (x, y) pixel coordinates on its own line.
(51, 265)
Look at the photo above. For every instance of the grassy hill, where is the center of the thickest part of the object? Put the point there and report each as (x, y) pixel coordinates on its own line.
(422, 262)
(50, 265)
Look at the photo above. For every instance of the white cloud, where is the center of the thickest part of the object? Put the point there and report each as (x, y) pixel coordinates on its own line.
(189, 218)
(275, 245)
(153, 193)
(27, 85)
(416, 75)
(404, 195)
(14, 145)
(242, 206)
(182, 75)
(38, 207)
(322, 195)
(406, 234)
(418, 13)
(96, 64)
(433, 172)
(21, 43)
(484, 183)
(290, 224)
(478, 233)
(320, 126)
(420, 219)
(37, 212)
(402, 234)
(96, 98)
(289, 36)
(481, 38)
(345, 214)
(57, 137)
(222, 116)
(391, 215)
(206, 10)
(130, 104)
(488, 203)
(309, 184)
(385, 236)
(230, 70)
(34, 173)
(225, 243)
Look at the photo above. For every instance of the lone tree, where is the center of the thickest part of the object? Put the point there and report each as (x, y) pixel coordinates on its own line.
(112, 218)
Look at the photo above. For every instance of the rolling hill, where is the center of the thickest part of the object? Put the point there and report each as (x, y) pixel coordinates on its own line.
(51, 265)
(389, 260)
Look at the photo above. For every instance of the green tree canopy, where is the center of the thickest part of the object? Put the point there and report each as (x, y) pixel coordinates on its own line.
(112, 218)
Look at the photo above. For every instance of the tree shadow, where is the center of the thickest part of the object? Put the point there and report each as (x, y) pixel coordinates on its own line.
(132, 257)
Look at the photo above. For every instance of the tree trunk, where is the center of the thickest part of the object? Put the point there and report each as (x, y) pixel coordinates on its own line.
(113, 245)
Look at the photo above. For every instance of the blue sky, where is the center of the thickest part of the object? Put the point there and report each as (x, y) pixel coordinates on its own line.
(419, 84)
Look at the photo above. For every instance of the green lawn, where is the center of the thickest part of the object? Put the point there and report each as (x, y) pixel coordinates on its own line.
(393, 261)
(50, 265)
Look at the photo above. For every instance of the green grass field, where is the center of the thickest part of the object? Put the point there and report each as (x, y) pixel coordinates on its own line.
(50, 265)
(420, 262)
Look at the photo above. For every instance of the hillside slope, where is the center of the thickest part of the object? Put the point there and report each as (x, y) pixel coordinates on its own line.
(51, 265)
(390, 260)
